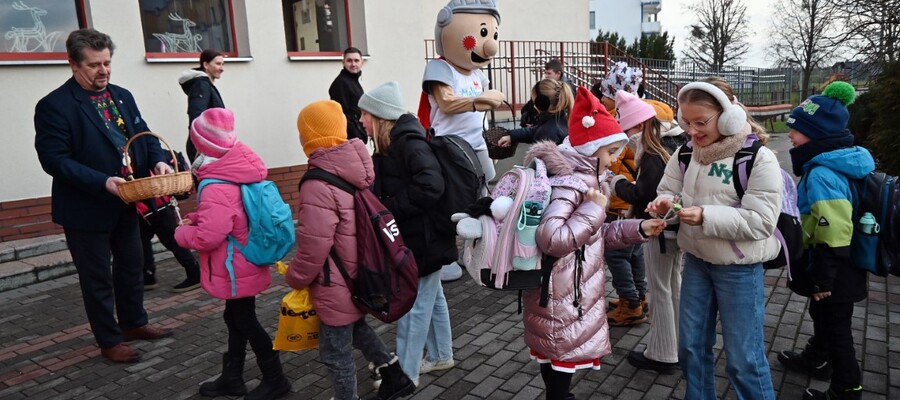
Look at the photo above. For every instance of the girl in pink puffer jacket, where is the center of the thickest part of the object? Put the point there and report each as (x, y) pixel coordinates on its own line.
(220, 213)
(571, 333)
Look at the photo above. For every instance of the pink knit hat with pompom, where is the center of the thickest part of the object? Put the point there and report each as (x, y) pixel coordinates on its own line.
(213, 132)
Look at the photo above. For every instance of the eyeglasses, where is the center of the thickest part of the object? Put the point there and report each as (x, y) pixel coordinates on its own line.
(701, 125)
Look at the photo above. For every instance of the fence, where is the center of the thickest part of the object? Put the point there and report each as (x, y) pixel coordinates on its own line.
(520, 64)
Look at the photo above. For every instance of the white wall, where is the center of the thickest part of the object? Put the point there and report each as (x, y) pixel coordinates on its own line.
(265, 93)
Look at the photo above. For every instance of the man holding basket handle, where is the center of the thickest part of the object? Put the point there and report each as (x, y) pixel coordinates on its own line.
(81, 129)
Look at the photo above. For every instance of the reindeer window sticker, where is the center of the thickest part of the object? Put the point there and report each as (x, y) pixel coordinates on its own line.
(186, 42)
(34, 38)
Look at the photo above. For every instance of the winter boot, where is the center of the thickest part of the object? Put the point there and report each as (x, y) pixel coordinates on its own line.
(274, 384)
(394, 382)
(231, 382)
(810, 362)
(614, 303)
(831, 394)
(191, 282)
(628, 313)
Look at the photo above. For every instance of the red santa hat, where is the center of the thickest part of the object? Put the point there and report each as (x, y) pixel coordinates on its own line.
(590, 125)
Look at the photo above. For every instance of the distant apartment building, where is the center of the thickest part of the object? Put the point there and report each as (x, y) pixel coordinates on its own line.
(629, 18)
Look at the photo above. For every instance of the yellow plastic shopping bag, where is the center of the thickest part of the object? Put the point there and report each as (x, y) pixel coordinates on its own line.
(298, 324)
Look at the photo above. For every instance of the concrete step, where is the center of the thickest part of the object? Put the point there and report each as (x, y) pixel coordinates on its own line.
(27, 261)
(26, 248)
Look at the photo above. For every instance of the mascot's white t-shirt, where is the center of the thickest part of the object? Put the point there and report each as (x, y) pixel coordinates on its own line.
(468, 125)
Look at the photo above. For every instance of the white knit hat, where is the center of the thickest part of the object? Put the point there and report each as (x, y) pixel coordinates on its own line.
(384, 102)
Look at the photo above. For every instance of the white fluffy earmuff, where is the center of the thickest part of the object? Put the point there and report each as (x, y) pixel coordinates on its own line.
(733, 118)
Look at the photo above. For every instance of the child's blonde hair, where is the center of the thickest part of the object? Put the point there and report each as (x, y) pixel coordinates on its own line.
(558, 92)
(381, 134)
(651, 139)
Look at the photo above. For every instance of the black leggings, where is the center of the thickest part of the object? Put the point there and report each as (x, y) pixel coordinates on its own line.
(243, 327)
(557, 383)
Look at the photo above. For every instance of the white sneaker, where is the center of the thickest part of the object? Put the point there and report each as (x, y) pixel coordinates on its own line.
(451, 272)
(428, 366)
(376, 377)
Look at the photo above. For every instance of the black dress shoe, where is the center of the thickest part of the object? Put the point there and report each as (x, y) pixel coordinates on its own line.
(639, 361)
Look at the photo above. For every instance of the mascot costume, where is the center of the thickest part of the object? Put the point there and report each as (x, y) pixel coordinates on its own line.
(454, 87)
(455, 94)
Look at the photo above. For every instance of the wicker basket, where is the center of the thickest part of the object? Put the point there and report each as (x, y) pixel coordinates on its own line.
(154, 186)
(495, 151)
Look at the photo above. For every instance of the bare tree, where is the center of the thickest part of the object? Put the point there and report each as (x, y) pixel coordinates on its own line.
(871, 28)
(802, 36)
(719, 35)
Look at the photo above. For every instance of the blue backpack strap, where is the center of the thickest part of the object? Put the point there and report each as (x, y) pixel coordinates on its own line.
(209, 181)
(229, 265)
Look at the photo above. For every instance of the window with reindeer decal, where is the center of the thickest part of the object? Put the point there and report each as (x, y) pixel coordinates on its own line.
(37, 29)
(183, 28)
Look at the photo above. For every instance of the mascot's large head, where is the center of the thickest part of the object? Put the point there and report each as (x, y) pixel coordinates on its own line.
(466, 33)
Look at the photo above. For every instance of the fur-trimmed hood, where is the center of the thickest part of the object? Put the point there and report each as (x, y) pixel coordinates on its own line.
(560, 161)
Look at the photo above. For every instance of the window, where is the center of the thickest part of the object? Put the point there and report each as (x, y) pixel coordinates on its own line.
(322, 27)
(593, 16)
(37, 29)
(183, 28)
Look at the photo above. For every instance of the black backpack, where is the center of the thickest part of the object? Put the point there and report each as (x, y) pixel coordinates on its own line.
(463, 179)
(788, 229)
(878, 250)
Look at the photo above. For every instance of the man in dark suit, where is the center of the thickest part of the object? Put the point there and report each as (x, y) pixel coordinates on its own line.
(81, 131)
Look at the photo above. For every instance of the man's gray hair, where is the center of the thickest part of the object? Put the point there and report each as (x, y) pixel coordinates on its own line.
(80, 39)
(463, 7)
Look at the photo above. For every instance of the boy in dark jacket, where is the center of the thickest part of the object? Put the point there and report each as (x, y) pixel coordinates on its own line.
(826, 161)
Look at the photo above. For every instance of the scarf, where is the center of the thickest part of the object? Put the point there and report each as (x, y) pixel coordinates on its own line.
(802, 154)
(200, 161)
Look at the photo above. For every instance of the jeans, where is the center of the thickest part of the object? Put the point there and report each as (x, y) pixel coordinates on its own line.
(336, 353)
(163, 224)
(244, 327)
(426, 325)
(664, 281)
(831, 326)
(104, 289)
(628, 274)
(734, 293)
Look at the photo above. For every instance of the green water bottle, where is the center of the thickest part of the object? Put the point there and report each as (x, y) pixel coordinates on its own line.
(868, 224)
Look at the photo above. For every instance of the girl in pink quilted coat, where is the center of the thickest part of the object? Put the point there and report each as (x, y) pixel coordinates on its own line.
(326, 222)
(571, 332)
(220, 213)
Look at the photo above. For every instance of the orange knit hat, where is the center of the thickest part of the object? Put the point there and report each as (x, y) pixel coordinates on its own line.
(321, 124)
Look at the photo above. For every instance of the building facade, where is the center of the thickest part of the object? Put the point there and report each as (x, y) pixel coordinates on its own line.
(282, 55)
(629, 18)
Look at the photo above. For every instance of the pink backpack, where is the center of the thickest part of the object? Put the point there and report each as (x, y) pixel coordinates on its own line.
(506, 257)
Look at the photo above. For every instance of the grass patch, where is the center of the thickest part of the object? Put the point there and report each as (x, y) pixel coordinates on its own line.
(780, 127)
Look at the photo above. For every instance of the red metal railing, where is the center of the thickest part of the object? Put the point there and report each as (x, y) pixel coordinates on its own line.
(520, 64)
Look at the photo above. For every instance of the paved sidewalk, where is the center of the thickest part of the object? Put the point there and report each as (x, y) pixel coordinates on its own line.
(47, 351)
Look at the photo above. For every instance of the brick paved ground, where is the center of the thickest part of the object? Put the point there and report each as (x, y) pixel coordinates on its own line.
(47, 351)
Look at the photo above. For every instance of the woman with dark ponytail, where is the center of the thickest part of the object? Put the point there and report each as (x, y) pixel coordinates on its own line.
(199, 86)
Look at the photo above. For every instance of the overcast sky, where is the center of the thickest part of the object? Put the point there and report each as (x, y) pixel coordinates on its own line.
(675, 18)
